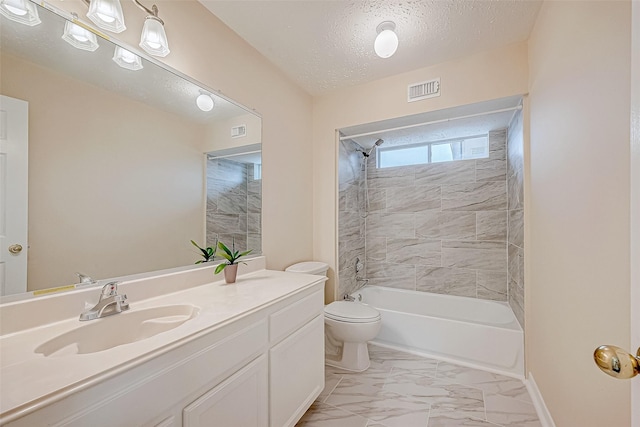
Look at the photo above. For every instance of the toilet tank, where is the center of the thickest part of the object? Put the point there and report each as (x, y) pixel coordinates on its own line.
(309, 267)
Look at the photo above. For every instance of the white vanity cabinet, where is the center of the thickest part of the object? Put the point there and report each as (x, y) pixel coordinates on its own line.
(262, 368)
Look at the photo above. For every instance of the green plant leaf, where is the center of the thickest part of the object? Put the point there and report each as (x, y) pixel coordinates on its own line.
(220, 267)
(199, 261)
(245, 253)
(225, 249)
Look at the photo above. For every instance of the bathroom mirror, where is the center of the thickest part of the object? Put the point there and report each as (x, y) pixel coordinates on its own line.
(117, 170)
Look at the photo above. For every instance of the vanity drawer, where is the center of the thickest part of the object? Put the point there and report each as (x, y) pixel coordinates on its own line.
(285, 321)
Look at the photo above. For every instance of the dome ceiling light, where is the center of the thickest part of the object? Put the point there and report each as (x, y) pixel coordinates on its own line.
(386, 42)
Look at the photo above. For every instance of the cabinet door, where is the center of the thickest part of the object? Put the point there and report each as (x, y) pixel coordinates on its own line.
(241, 400)
(296, 373)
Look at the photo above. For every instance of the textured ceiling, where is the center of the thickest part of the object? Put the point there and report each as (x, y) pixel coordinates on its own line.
(326, 45)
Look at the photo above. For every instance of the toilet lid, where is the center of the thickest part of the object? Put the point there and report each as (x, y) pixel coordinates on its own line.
(353, 312)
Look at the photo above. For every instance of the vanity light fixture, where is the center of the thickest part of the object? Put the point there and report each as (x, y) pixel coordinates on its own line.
(127, 59)
(106, 14)
(79, 37)
(21, 11)
(205, 102)
(153, 39)
(386, 42)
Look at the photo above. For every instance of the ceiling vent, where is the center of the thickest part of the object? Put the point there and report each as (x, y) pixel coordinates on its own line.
(423, 90)
(239, 131)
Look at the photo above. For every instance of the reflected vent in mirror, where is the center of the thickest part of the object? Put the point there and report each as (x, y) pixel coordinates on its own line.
(239, 131)
(423, 90)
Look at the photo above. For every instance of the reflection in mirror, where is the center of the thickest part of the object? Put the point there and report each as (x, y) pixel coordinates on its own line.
(115, 170)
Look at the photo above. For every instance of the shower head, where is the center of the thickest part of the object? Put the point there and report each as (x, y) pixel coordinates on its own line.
(378, 143)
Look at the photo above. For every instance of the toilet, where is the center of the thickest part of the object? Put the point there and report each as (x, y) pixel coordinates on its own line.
(348, 326)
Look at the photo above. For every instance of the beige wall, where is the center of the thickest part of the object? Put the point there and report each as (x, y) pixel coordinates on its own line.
(205, 49)
(578, 208)
(488, 75)
(218, 133)
(104, 200)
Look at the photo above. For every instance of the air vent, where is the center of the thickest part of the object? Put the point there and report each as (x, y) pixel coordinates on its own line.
(423, 90)
(239, 131)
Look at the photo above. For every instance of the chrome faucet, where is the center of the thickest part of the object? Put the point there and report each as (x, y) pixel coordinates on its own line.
(85, 278)
(110, 302)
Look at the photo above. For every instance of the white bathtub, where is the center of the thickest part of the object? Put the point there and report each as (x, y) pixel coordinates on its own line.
(478, 333)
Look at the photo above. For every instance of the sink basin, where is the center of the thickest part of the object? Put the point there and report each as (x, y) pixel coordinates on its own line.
(124, 328)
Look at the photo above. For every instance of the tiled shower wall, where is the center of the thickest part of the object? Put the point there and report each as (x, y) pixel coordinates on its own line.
(351, 222)
(441, 227)
(515, 196)
(234, 204)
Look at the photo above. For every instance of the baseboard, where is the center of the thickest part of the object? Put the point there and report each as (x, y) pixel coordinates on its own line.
(538, 402)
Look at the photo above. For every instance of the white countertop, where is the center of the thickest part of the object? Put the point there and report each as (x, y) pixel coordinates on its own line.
(29, 380)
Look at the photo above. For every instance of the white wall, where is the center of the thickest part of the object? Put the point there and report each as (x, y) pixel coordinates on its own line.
(487, 75)
(578, 207)
(207, 50)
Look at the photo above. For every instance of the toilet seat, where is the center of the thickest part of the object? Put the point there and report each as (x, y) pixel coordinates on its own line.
(351, 312)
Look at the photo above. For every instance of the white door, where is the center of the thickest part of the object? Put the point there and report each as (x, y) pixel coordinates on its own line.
(14, 153)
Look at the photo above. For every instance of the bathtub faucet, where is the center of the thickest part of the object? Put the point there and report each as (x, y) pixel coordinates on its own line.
(348, 297)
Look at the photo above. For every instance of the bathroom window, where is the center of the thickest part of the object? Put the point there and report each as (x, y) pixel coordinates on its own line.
(476, 147)
(257, 171)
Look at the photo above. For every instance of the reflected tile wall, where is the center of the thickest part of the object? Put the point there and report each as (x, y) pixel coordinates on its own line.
(515, 202)
(234, 205)
(441, 228)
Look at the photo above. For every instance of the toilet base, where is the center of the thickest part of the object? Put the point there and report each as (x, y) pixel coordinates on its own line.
(355, 357)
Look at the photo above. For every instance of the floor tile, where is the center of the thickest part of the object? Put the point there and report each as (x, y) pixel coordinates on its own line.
(321, 415)
(509, 412)
(453, 419)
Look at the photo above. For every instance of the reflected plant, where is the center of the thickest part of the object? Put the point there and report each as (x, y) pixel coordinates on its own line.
(208, 254)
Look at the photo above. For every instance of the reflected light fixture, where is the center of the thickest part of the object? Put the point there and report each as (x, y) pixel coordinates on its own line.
(21, 11)
(126, 59)
(106, 14)
(79, 37)
(386, 42)
(205, 102)
(153, 39)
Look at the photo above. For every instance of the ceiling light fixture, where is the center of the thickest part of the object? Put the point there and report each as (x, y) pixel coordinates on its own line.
(21, 11)
(79, 37)
(205, 102)
(386, 42)
(153, 39)
(106, 14)
(126, 59)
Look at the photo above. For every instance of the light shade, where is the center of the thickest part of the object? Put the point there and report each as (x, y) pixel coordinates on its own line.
(153, 39)
(205, 102)
(386, 42)
(107, 14)
(79, 37)
(21, 11)
(126, 59)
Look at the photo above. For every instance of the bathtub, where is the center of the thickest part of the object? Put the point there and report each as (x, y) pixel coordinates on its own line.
(478, 333)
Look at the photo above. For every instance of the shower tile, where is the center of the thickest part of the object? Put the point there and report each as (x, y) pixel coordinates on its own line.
(389, 177)
(508, 412)
(352, 198)
(347, 281)
(254, 242)
(254, 203)
(449, 281)
(521, 268)
(513, 264)
(212, 204)
(492, 285)
(498, 144)
(231, 203)
(402, 276)
(446, 225)
(414, 251)
(240, 240)
(413, 199)
(491, 170)
(323, 415)
(515, 190)
(516, 228)
(377, 199)
(516, 301)
(376, 249)
(475, 255)
(445, 173)
(227, 223)
(348, 251)
(390, 225)
(491, 225)
(254, 223)
(351, 226)
(254, 186)
(491, 195)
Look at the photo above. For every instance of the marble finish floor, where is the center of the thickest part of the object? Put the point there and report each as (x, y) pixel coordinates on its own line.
(405, 390)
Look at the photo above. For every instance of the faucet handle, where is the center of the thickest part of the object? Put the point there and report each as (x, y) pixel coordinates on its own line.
(109, 290)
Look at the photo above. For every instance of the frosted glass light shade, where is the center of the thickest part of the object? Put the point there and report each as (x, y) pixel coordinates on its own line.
(79, 37)
(107, 14)
(127, 59)
(153, 39)
(21, 11)
(386, 42)
(204, 102)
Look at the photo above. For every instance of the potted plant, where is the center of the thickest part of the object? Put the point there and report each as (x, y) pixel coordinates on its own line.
(208, 254)
(231, 266)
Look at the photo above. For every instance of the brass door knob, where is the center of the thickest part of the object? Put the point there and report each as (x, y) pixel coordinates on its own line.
(616, 362)
(15, 249)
